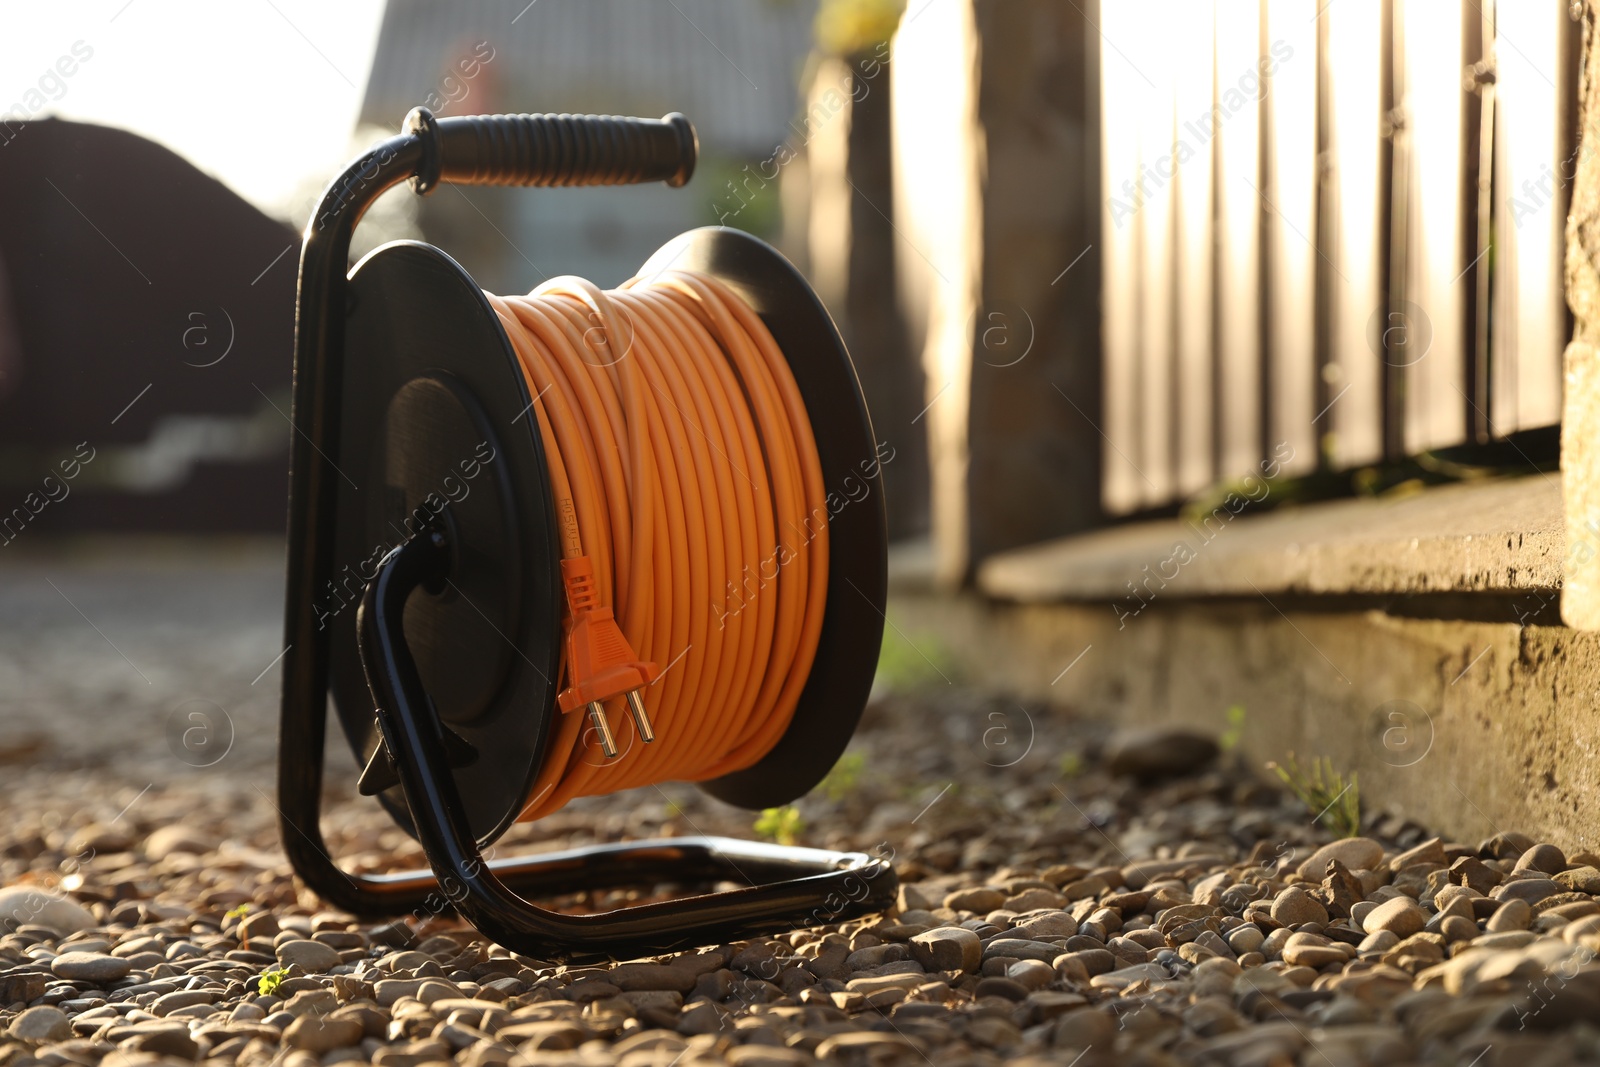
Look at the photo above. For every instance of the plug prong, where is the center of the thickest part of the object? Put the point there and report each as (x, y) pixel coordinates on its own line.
(597, 716)
(641, 721)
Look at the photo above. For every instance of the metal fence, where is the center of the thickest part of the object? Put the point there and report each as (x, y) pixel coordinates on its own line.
(1332, 232)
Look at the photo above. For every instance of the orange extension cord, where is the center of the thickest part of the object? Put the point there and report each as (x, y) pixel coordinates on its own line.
(691, 505)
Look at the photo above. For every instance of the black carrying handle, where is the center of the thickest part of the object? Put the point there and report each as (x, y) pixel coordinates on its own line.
(551, 150)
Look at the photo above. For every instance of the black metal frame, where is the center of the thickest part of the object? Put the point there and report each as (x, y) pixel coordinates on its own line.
(788, 885)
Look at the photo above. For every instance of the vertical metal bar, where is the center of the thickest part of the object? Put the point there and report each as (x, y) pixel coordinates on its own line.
(1239, 280)
(1392, 232)
(1477, 206)
(1433, 358)
(1123, 487)
(1157, 329)
(1268, 297)
(313, 491)
(1195, 248)
(1214, 397)
(1358, 193)
(1291, 119)
(1327, 242)
(1530, 306)
(1568, 124)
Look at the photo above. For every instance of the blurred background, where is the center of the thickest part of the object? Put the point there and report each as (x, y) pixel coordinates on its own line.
(1098, 263)
(157, 162)
(161, 158)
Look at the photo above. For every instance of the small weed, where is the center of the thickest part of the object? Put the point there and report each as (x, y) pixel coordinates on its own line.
(237, 913)
(270, 980)
(1071, 764)
(1327, 795)
(782, 825)
(1235, 732)
(842, 779)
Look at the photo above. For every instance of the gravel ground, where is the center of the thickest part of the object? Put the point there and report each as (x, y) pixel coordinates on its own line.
(1062, 902)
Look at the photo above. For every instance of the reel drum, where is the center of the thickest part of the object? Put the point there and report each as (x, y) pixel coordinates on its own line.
(438, 418)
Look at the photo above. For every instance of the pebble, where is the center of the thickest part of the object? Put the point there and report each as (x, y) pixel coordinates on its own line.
(1150, 755)
(1399, 916)
(90, 966)
(41, 1024)
(742, 1056)
(1356, 853)
(948, 948)
(1083, 1029)
(631, 977)
(1430, 853)
(980, 899)
(1032, 974)
(311, 1002)
(321, 1033)
(1579, 880)
(1379, 942)
(1000, 986)
(261, 926)
(1506, 845)
(1093, 960)
(1020, 938)
(1309, 950)
(1051, 924)
(1210, 1017)
(178, 838)
(166, 1041)
(1546, 859)
(1294, 906)
(182, 998)
(311, 956)
(1018, 949)
(1051, 1004)
(1475, 874)
(1245, 938)
(866, 1047)
(1528, 890)
(1033, 899)
(28, 905)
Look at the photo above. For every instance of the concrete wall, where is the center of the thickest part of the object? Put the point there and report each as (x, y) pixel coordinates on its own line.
(1580, 417)
(1465, 726)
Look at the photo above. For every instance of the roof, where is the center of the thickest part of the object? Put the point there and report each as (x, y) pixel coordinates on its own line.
(732, 66)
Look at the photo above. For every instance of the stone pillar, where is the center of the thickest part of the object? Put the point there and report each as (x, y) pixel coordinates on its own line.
(997, 153)
(1580, 419)
(850, 246)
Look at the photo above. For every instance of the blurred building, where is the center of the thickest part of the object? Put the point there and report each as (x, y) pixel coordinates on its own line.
(146, 321)
(793, 147)
(732, 66)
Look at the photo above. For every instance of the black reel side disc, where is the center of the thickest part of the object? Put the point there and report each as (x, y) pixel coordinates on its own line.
(858, 537)
(437, 427)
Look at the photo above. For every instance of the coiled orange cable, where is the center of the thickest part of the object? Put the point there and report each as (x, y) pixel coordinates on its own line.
(685, 471)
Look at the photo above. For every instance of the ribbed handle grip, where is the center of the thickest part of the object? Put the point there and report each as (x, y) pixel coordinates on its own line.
(554, 149)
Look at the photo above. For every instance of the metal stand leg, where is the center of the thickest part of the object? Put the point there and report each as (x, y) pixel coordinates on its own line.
(789, 886)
